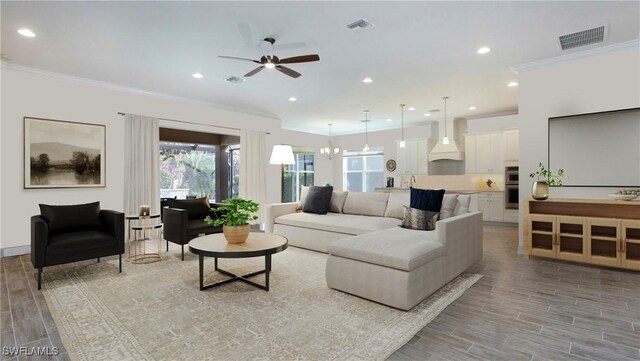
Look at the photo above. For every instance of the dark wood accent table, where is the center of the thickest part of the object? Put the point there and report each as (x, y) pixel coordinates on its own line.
(258, 245)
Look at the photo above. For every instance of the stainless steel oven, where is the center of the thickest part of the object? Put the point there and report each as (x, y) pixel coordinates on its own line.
(511, 178)
(511, 175)
(511, 196)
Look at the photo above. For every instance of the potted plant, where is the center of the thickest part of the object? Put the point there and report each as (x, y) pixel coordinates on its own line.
(540, 188)
(234, 216)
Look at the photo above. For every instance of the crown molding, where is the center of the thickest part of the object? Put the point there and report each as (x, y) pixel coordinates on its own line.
(125, 89)
(573, 56)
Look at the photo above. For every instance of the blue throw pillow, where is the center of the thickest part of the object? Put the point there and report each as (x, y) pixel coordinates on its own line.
(426, 199)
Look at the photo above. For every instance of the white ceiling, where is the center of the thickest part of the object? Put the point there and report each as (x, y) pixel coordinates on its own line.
(417, 52)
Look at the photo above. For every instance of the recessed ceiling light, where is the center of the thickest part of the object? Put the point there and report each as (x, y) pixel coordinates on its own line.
(367, 80)
(427, 114)
(26, 32)
(483, 50)
(472, 108)
(412, 108)
(389, 119)
(197, 75)
(293, 99)
(512, 84)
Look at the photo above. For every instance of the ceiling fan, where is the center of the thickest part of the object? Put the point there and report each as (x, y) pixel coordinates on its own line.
(270, 61)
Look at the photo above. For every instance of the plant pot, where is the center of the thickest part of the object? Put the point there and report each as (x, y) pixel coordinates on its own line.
(540, 190)
(236, 234)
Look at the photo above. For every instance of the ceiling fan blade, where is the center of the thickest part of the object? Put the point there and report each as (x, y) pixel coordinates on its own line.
(290, 72)
(254, 71)
(236, 58)
(300, 59)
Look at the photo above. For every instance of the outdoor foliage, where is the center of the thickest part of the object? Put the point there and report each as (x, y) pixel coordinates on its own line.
(234, 212)
(188, 169)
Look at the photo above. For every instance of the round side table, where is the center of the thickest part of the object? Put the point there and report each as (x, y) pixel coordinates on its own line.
(143, 230)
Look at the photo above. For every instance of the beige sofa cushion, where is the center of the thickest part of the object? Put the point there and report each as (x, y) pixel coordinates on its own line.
(396, 203)
(448, 205)
(399, 248)
(462, 205)
(366, 203)
(336, 222)
(337, 201)
(304, 190)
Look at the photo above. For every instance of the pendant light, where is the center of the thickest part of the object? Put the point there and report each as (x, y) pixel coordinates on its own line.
(402, 143)
(366, 131)
(445, 140)
(329, 151)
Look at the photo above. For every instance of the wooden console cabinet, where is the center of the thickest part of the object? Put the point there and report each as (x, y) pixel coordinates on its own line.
(598, 232)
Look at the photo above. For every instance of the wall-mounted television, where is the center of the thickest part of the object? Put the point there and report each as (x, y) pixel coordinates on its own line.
(597, 149)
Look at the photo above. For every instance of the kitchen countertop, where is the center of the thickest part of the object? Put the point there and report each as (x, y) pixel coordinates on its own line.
(460, 191)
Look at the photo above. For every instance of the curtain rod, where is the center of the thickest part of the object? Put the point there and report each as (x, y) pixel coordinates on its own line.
(194, 123)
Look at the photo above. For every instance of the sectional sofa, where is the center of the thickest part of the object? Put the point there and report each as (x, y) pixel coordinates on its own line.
(371, 256)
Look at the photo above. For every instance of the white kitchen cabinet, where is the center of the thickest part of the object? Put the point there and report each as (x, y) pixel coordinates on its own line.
(412, 159)
(491, 204)
(484, 153)
(512, 145)
(470, 154)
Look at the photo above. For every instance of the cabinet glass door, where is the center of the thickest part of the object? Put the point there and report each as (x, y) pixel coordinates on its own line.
(604, 248)
(571, 238)
(631, 244)
(543, 228)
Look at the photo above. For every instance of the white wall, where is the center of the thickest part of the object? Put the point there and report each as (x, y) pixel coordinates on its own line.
(601, 82)
(37, 95)
(384, 138)
(492, 124)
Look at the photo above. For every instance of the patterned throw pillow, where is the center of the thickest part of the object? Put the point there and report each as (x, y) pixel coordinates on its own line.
(418, 219)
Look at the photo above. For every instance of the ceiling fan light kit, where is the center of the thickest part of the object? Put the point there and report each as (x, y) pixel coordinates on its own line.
(270, 61)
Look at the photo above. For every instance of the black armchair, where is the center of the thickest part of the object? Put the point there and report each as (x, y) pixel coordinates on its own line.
(183, 220)
(65, 234)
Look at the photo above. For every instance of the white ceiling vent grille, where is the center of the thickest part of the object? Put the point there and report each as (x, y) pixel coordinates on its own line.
(360, 24)
(583, 38)
(235, 79)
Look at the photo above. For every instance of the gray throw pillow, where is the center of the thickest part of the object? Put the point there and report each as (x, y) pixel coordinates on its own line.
(318, 200)
(418, 219)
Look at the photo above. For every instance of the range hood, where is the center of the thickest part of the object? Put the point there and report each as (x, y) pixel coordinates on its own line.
(453, 150)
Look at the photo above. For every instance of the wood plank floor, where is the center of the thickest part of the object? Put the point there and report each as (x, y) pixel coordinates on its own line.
(521, 309)
(534, 309)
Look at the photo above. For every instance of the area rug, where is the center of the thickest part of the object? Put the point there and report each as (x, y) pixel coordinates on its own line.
(156, 312)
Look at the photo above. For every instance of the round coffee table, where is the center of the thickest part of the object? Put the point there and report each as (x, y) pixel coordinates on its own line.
(257, 245)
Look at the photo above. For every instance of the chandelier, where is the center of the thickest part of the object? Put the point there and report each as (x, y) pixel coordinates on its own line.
(329, 151)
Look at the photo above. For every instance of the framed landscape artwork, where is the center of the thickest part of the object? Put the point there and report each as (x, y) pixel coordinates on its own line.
(62, 154)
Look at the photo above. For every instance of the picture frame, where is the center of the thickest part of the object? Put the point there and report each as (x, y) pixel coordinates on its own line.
(63, 154)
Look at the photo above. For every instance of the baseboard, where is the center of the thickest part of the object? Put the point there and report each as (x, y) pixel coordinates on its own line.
(14, 251)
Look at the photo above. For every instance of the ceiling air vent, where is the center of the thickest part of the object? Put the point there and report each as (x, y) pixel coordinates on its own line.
(235, 79)
(433, 110)
(583, 38)
(360, 24)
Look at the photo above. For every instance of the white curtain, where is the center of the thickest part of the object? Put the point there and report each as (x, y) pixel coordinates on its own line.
(253, 168)
(141, 163)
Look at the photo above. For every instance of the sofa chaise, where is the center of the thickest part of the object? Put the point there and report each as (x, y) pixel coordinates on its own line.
(370, 256)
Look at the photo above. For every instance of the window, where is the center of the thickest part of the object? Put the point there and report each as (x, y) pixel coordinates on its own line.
(363, 172)
(297, 175)
(187, 170)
